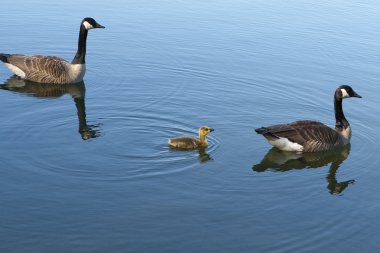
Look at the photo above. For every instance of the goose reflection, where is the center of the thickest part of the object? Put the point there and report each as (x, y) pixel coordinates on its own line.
(276, 160)
(43, 90)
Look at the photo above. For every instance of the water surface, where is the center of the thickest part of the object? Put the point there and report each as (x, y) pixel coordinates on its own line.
(86, 168)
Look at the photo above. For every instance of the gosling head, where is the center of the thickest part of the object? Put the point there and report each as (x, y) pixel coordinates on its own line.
(90, 23)
(205, 130)
(345, 91)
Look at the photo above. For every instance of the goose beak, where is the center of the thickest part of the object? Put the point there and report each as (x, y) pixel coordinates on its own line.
(212, 129)
(356, 95)
(99, 26)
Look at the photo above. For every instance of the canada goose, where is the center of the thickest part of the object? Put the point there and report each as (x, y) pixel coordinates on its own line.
(187, 142)
(52, 69)
(311, 136)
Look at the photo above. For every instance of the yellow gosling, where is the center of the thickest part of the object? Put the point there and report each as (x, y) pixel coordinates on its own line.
(187, 142)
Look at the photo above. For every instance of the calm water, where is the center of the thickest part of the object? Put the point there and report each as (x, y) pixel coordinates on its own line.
(86, 168)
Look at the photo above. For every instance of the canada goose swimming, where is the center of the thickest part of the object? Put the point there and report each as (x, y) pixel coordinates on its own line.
(187, 142)
(311, 136)
(52, 69)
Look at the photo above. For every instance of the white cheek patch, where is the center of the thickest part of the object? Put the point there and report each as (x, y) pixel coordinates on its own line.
(87, 25)
(344, 93)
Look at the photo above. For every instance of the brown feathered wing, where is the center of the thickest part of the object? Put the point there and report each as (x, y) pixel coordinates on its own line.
(312, 135)
(47, 69)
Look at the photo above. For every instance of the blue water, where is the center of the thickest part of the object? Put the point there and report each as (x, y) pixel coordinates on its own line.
(86, 168)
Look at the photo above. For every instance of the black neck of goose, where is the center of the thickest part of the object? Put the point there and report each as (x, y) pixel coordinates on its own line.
(340, 121)
(81, 53)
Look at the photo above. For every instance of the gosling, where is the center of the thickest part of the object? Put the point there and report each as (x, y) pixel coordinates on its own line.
(187, 142)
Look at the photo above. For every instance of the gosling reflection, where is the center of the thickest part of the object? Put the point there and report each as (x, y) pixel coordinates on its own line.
(204, 157)
(276, 160)
(43, 90)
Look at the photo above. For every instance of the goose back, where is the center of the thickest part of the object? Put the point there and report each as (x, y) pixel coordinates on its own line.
(305, 135)
(184, 142)
(45, 69)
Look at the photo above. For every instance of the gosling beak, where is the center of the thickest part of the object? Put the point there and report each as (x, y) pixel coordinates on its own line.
(99, 26)
(356, 95)
(212, 129)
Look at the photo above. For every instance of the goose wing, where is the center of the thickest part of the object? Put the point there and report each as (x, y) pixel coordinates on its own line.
(184, 142)
(312, 135)
(48, 69)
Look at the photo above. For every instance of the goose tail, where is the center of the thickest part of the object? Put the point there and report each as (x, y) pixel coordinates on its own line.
(4, 57)
(266, 132)
(261, 130)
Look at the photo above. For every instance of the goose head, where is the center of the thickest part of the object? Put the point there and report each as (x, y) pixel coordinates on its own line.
(90, 23)
(205, 130)
(345, 91)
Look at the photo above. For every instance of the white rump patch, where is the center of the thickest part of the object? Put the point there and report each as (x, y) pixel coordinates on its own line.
(87, 25)
(286, 145)
(16, 70)
(344, 93)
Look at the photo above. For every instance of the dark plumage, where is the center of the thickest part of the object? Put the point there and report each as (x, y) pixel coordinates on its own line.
(311, 136)
(4, 58)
